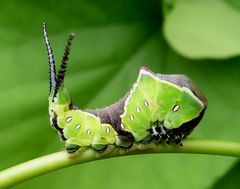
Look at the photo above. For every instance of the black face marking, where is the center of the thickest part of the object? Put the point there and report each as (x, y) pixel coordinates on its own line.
(55, 125)
(71, 148)
(54, 122)
(61, 135)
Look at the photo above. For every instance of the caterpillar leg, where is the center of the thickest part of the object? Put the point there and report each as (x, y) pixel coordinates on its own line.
(124, 140)
(124, 144)
(132, 148)
(157, 134)
(170, 136)
(161, 134)
(99, 147)
(71, 148)
(108, 149)
(175, 138)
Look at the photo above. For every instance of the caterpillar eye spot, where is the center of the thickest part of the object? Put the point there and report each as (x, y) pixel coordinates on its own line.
(176, 108)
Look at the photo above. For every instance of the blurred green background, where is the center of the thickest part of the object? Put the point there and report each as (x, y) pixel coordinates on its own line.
(199, 38)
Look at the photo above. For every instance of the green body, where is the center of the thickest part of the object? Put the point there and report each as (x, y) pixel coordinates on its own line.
(81, 128)
(151, 99)
(155, 102)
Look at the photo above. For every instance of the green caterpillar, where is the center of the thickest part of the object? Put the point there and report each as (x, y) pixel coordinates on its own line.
(158, 108)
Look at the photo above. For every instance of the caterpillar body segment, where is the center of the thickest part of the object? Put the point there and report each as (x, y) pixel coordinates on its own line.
(158, 108)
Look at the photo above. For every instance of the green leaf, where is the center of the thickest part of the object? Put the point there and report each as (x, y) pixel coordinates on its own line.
(113, 39)
(203, 29)
(230, 180)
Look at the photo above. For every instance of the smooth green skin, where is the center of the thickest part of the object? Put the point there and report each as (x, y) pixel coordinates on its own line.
(161, 96)
(154, 98)
(98, 134)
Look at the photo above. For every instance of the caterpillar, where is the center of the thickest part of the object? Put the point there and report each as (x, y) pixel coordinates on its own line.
(158, 108)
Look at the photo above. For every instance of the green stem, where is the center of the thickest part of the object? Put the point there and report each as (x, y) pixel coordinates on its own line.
(55, 161)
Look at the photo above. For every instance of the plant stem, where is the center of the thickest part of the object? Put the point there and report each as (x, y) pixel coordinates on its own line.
(55, 161)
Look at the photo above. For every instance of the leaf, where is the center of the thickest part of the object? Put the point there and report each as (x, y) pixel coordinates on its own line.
(230, 179)
(113, 39)
(203, 29)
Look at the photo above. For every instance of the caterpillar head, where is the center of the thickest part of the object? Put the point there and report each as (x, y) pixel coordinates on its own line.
(58, 93)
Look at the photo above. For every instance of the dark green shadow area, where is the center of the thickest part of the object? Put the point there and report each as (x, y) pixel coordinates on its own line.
(230, 180)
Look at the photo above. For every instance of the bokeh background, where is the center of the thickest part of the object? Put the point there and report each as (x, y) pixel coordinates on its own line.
(199, 38)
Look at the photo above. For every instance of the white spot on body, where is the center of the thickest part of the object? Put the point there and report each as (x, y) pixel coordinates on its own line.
(138, 109)
(122, 126)
(146, 103)
(69, 119)
(107, 130)
(77, 126)
(131, 117)
(176, 108)
(88, 132)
